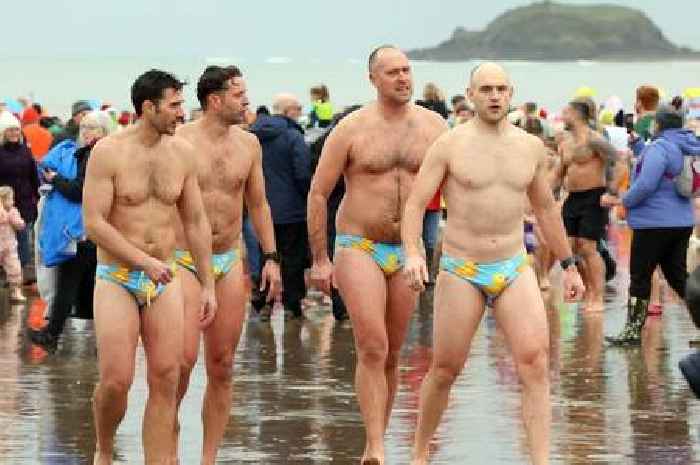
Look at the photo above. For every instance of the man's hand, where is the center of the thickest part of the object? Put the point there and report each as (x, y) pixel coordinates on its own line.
(416, 272)
(609, 200)
(207, 306)
(573, 286)
(270, 279)
(321, 276)
(159, 272)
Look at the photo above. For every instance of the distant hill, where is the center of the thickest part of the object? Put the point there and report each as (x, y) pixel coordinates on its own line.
(549, 31)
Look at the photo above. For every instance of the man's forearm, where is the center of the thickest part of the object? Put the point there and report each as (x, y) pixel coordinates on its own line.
(552, 227)
(317, 221)
(107, 237)
(261, 218)
(411, 227)
(198, 236)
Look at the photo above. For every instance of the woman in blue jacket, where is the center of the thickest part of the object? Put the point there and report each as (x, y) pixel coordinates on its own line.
(75, 276)
(661, 219)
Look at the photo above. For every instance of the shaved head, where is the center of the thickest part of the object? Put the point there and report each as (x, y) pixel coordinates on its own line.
(486, 71)
(377, 55)
(282, 102)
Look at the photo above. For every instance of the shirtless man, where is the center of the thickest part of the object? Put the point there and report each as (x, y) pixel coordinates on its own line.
(134, 181)
(586, 167)
(229, 167)
(379, 150)
(480, 164)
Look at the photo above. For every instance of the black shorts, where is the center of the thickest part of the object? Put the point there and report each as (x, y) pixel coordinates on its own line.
(583, 215)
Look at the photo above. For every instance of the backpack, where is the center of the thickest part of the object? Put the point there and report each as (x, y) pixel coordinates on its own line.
(687, 182)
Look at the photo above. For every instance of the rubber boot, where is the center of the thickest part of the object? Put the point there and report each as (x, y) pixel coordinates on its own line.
(631, 334)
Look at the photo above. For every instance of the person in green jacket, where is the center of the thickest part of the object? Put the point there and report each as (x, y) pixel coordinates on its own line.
(645, 107)
(321, 108)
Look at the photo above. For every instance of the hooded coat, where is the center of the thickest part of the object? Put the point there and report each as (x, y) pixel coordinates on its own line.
(18, 170)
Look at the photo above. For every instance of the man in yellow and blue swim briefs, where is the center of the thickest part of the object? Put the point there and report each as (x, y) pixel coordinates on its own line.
(488, 169)
(135, 180)
(229, 167)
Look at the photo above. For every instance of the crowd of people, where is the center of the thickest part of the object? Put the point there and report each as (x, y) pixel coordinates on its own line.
(136, 221)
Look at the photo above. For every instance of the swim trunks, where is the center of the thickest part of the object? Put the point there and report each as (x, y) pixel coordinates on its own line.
(221, 263)
(136, 282)
(389, 257)
(583, 216)
(490, 278)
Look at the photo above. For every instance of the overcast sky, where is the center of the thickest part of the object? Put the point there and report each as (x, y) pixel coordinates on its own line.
(274, 28)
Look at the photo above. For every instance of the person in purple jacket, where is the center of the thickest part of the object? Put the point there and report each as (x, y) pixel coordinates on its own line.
(661, 219)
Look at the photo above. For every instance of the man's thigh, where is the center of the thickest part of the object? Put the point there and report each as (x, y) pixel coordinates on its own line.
(162, 328)
(363, 287)
(116, 329)
(401, 303)
(521, 314)
(191, 292)
(459, 307)
(221, 337)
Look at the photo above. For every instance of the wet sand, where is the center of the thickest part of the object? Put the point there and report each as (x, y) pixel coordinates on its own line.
(294, 400)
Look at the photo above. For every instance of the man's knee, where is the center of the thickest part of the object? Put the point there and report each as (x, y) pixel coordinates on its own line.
(374, 354)
(444, 374)
(533, 364)
(220, 368)
(113, 386)
(164, 377)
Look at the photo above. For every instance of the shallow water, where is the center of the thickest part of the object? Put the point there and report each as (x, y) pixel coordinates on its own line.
(294, 400)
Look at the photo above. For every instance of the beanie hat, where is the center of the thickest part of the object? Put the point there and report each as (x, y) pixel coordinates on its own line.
(7, 121)
(80, 106)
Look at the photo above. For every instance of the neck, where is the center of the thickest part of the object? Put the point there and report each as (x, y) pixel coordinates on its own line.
(646, 112)
(390, 110)
(148, 135)
(487, 127)
(580, 129)
(214, 126)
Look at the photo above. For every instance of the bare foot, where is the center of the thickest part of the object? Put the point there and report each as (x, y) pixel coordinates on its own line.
(102, 459)
(421, 459)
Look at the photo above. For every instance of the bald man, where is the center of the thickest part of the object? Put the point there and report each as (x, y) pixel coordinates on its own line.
(484, 163)
(378, 150)
(286, 165)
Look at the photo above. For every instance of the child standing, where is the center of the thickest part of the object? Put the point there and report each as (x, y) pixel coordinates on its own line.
(10, 222)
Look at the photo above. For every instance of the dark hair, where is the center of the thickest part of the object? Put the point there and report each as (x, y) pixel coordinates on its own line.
(457, 99)
(151, 85)
(375, 53)
(215, 79)
(667, 117)
(534, 126)
(262, 110)
(582, 109)
(677, 102)
(38, 108)
(530, 107)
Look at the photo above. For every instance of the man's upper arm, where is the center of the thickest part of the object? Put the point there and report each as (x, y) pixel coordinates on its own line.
(603, 148)
(190, 202)
(333, 160)
(540, 190)
(98, 191)
(255, 184)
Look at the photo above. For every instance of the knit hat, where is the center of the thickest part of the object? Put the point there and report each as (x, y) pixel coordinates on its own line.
(30, 116)
(606, 118)
(7, 121)
(79, 106)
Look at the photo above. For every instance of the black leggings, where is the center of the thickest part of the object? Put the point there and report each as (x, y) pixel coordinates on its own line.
(664, 247)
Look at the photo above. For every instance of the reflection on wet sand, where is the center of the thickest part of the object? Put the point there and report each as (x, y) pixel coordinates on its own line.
(294, 400)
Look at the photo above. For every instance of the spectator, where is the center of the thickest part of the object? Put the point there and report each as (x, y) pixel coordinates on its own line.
(321, 108)
(75, 277)
(463, 112)
(10, 223)
(18, 170)
(78, 110)
(645, 107)
(38, 139)
(661, 219)
(433, 99)
(287, 177)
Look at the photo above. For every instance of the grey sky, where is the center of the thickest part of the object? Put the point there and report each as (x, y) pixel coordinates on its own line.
(255, 30)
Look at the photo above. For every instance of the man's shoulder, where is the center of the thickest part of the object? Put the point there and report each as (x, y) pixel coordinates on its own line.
(428, 116)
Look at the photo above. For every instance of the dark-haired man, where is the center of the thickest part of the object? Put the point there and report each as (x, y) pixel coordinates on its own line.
(378, 149)
(134, 181)
(588, 162)
(229, 170)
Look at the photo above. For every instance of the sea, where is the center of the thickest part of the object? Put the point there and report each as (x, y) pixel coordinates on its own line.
(57, 82)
